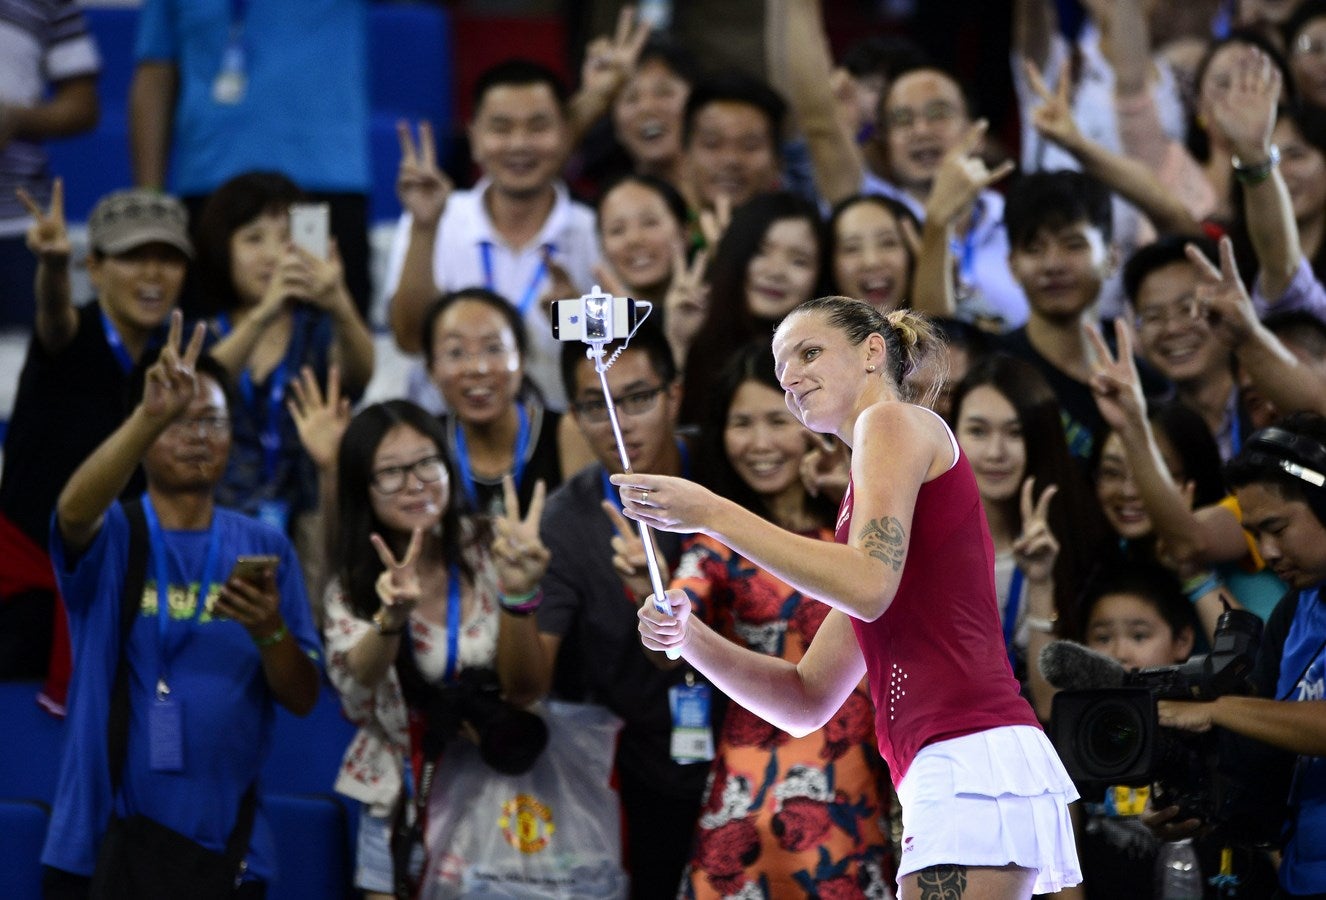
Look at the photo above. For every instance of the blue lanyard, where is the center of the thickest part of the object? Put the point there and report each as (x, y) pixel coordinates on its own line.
(453, 622)
(232, 58)
(490, 277)
(463, 457)
(116, 344)
(1011, 610)
(966, 251)
(157, 539)
(269, 434)
(1235, 429)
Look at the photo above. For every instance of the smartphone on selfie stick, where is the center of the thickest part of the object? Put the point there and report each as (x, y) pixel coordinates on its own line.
(596, 319)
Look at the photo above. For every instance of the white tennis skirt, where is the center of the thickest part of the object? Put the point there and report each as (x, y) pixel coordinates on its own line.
(994, 798)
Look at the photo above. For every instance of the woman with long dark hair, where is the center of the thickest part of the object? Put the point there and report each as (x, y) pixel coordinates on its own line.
(769, 260)
(422, 601)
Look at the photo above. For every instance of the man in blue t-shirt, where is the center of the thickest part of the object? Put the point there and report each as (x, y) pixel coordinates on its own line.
(208, 656)
(1280, 479)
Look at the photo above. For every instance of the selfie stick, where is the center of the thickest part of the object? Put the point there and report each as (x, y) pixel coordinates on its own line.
(595, 352)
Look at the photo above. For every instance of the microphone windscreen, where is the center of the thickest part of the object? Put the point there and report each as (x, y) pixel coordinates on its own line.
(1072, 667)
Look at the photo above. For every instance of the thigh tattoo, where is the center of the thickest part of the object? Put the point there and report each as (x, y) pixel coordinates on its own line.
(945, 882)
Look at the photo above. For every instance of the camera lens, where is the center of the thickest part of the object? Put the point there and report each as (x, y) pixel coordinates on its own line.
(1111, 737)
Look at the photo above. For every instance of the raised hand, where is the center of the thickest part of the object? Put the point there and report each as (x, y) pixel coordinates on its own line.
(686, 305)
(609, 62)
(48, 236)
(1115, 384)
(628, 554)
(961, 177)
(421, 186)
(560, 284)
(520, 554)
(171, 383)
(1053, 119)
(714, 222)
(398, 586)
(320, 420)
(826, 468)
(1245, 113)
(1036, 549)
(1221, 297)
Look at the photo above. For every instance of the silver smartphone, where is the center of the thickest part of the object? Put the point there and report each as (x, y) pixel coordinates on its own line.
(310, 227)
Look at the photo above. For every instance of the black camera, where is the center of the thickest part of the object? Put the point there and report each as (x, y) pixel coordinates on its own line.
(510, 738)
(1110, 736)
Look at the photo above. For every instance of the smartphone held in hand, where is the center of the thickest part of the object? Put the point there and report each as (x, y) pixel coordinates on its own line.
(310, 227)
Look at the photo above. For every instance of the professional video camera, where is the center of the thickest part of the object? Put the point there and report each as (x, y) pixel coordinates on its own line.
(1104, 722)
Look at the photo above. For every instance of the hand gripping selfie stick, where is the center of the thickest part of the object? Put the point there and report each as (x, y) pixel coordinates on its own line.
(597, 318)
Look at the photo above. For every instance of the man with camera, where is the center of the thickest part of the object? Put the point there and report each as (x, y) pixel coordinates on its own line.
(1280, 480)
(180, 665)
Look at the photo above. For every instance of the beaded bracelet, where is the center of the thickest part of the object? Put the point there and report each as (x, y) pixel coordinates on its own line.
(521, 604)
(272, 639)
(1258, 172)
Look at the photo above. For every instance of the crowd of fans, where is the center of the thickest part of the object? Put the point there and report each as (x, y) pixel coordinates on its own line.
(1127, 303)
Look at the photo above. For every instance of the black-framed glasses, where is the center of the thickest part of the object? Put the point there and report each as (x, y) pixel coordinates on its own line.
(633, 404)
(208, 426)
(391, 479)
(934, 112)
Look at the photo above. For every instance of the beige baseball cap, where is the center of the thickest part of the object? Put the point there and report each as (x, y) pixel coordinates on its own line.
(127, 219)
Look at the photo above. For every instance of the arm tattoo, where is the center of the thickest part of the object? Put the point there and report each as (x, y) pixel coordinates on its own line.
(945, 882)
(883, 539)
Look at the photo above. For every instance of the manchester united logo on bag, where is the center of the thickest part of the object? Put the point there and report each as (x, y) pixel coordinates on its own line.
(526, 823)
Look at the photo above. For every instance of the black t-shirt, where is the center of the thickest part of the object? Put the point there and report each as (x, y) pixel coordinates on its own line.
(68, 402)
(541, 459)
(1083, 423)
(601, 659)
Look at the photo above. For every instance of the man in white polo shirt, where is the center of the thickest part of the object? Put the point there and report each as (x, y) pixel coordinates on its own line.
(516, 232)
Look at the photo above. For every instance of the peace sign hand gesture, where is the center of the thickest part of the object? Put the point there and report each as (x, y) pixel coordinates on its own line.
(628, 554)
(961, 177)
(1115, 384)
(398, 586)
(609, 62)
(48, 237)
(1221, 296)
(520, 554)
(1036, 549)
(171, 383)
(1053, 119)
(421, 186)
(686, 304)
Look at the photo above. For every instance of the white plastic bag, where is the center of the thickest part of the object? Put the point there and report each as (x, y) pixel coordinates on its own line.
(554, 832)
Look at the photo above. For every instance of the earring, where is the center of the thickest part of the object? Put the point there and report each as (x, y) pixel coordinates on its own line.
(870, 368)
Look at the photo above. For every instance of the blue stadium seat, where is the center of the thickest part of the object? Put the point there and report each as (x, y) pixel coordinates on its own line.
(30, 752)
(312, 835)
(23, 825)
(306, 752)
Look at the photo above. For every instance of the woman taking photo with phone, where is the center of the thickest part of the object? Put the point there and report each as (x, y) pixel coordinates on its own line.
(276, 308)
(984, 797)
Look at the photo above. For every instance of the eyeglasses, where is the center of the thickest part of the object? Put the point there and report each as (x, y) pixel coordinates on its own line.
(1306, 45)
(391, 480)
(495, 356)
(934, 112)
(207, 426)
(1156, 317)
(636, 404)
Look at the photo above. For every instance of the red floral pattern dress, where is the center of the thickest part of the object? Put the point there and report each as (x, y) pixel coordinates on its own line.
(783, 816)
